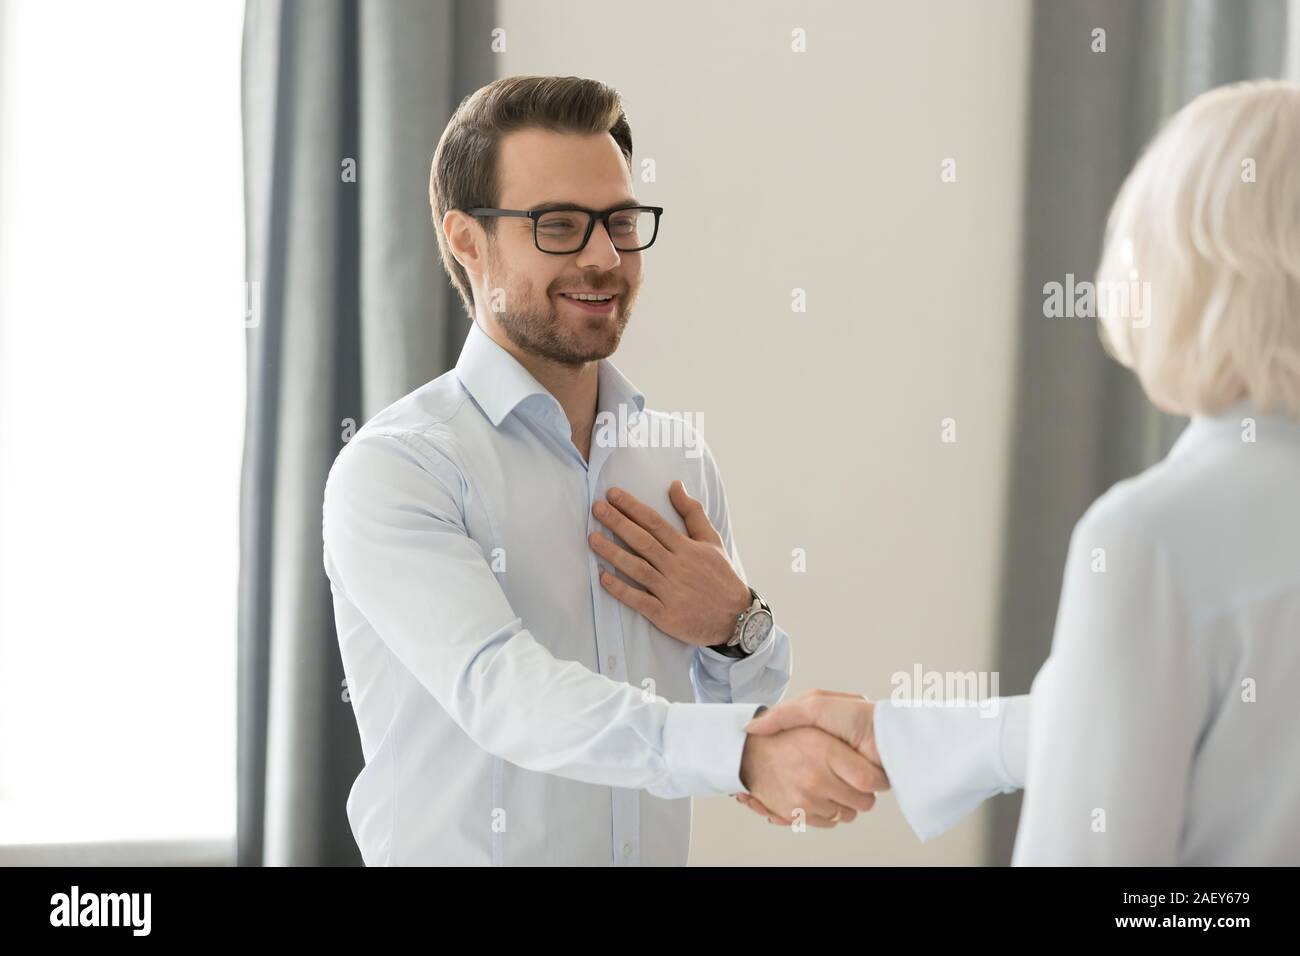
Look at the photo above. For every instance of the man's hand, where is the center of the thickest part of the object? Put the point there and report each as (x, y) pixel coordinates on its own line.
(691, 591)
(849, 717)
(809, 770)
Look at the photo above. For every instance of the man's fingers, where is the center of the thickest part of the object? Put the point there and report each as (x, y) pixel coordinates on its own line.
(754, 804)
(757, 805)
(831, 793)
(647, 605)
(813, 820)
(638, 538)
(833, 813)
(848, 814)
(692, 512)
(638, 569)
(645, 516)
(827, 819)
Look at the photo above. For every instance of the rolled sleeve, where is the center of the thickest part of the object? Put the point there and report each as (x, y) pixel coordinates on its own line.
(762, 677)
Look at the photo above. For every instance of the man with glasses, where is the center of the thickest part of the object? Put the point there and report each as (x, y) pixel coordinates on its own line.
(512, 708)
(561, 229)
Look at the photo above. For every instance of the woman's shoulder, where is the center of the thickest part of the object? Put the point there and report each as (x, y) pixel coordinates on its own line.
(1148, 503)
(1221, 522)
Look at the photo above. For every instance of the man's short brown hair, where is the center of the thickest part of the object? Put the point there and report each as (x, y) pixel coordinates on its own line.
(464, 172)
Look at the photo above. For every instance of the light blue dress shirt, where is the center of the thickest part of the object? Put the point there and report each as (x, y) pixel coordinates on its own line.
(1164, 727)
(510, 710)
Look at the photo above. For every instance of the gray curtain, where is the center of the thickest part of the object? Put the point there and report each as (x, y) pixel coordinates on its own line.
(1081, 422)
(349, 309)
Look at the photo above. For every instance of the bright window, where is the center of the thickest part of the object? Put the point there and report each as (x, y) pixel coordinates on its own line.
(121, 419)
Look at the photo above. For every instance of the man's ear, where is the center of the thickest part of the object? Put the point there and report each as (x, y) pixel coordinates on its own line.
(466, 241)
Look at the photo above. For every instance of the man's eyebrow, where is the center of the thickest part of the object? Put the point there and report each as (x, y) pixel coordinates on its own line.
(568, 204)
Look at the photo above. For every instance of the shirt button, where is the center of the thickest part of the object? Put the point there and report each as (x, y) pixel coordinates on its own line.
(627, 849)
(611, 662)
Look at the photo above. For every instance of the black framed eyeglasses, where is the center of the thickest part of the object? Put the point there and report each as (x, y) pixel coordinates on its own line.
(564, 230)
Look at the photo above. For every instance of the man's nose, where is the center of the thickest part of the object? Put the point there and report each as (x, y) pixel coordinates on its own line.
(599, 250)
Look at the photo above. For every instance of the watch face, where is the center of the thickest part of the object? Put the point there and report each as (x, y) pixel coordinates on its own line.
(756, 630)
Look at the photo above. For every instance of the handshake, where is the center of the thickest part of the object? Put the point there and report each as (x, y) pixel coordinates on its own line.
(813, 758)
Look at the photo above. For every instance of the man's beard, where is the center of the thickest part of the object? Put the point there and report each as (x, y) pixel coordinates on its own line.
(539, 330)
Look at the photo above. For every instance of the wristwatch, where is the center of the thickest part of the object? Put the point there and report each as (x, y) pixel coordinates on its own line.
(752, 627)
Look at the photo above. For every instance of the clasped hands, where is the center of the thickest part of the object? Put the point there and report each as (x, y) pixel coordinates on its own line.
(813, 758)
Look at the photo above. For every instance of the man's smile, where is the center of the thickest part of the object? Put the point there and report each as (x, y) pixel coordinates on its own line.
(592, 303)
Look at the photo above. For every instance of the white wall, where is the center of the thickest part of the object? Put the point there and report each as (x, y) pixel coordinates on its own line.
(821, 171)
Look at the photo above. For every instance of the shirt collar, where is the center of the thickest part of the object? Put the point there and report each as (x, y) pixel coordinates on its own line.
(616, 390)
(499, 384)
(1229, 424)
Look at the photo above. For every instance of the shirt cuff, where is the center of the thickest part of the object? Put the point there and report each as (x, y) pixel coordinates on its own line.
(703, 744)
(942, 760)
(719, 665)
(1015, 739)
